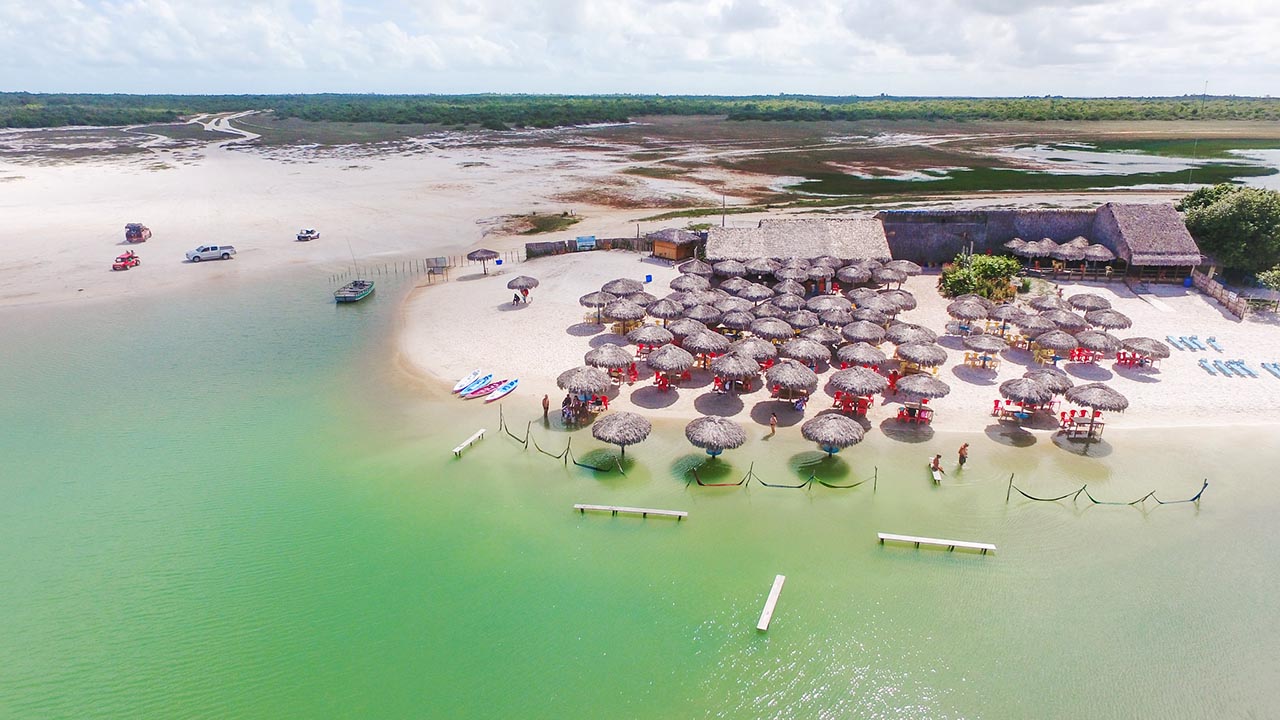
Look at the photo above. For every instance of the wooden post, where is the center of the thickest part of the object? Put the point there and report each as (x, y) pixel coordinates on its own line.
(1009, 490)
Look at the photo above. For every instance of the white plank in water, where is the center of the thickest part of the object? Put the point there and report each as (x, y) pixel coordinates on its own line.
(766, 615)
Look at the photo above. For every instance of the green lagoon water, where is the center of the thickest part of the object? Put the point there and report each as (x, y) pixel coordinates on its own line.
(230, 503)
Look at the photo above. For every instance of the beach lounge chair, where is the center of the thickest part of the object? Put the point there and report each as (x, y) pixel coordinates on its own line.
(1217, 364)
(1239, 365)
(1213, 343)
(1272, 368)
(1174, 342)
(1205, 364)
(1195, 342)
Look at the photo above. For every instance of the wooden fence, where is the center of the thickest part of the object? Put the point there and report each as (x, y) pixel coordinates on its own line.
(559, 247)
(435, 268)
(1233, 302)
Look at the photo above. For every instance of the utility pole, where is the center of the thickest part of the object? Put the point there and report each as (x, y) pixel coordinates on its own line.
(1195, 143)
(723, 206)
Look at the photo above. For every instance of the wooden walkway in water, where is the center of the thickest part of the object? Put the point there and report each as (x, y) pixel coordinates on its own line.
(642, 512)
(949, 544)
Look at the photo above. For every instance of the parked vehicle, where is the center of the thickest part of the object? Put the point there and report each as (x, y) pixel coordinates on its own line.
(126, 260)
(211, 252)
(136, 233)
(308, 234)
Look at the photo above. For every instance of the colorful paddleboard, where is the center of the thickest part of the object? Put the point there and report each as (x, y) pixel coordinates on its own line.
(484, 389)
(475, 375)
(476, 384)
(506, 389)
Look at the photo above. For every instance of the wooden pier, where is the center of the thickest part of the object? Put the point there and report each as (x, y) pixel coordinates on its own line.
(642, 512)
(477, 437)
(950, 545)
(766, 615)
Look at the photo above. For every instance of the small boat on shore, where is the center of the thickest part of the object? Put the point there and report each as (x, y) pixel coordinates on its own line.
(464, 382)
(354, 291)
(484, 389)
(502, 391)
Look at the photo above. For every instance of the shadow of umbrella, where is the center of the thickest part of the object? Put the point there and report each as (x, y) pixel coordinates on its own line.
(605, 462)
(815, 462)
(584, 329)
(652, 398)
(975, 376)
(1011, 435)
(906, 432)
(1087, 371)
(1092, 448)
(723, 404)
(785, 410)
(710, 469)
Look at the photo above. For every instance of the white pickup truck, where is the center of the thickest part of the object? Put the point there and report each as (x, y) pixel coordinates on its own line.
(211, 252)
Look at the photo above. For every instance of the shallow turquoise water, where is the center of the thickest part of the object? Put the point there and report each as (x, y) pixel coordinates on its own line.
(215, 505)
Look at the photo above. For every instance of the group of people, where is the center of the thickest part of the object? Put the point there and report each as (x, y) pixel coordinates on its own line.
(963, 453)
(520, 297)
(575, 408)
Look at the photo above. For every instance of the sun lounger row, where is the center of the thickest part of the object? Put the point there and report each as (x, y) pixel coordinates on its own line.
(1192, 343)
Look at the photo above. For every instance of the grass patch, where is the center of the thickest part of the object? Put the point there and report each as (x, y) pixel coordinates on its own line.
(659, 173)
(538, 224)
(1186, 147)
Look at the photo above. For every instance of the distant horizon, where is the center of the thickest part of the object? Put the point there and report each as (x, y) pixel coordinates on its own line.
(735, 96)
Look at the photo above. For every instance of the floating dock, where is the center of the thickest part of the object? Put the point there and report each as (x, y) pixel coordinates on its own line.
(642, 512)
(766, 615)
(477, 437)
(948, 544)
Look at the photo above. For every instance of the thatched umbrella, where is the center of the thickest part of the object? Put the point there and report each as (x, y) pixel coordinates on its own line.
(1056, 340)
(791, 376)
(695, 267)
(729, 268)
(1099, 253)
(623, 286)
(833, 432)
(701, 297)
(755, 292)
(859, 295)
(802, 319)
(923, 354)
(734, 284)
(769, 310)
(1044, 247)
(1016, 245)
(984, 343)
(788, 303)
(737, 320)
(665, 310)
(1098, 341)
(794, 261)
(863, 331)
(1033, 325)
(861, 353)
(1097, 396)
(1079, 241)
(754, 348)
(642, 298)
(821, 272)
(822, 334)
(735, 366)
(760, 266)
(624, 310)
(859, 381)
(706, 314)
(1047, 302)
(483, 255)
(903, 333)
(884, 276)
(922, 386)
(966, 311)
(685, 327)
(869, 315)
(1089, 301)
(689, 283)
(904, 266)
(1025, 390)
(1051, 377)
(1109, 319)
(791, 273)
(676, 296)
(772, 329)
(609, 356)
(836, 317)
(975, 299)
(669, 358)
(1064, 320)
(879, 304)
(901, 298)
(621, 428)
(733, 304)
(1006, 312)
(522, 282)
(853, 275)
(715, 434)
(819, 303)
(705, 342)
(584, 380)
(1146, 346)
(650, 335)
(597, 300)
(1068, 252)
(806, 351)
(829, 260)
(789, 287)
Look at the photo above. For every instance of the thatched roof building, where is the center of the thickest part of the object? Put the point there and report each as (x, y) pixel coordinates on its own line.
(846, 238)
(1146, 234)
(674, 243)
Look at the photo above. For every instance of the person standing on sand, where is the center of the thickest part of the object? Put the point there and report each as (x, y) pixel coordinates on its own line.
(546, 407)
(515, 298)
(964, 454)
(525, 293)
(773, 424)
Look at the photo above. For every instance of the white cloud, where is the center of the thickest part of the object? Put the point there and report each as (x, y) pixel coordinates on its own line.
(941, 47)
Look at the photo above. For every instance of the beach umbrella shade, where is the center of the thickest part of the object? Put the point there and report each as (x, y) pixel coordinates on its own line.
(1064, 320)
(1025, 390)
(685, 327)
(923, 354)
(821, 272)
(772, 329)
(1068, 252)
(984, 343)
(966, 311)
(1099, 253)
(701, 297)
(597, 300)
(650, 335)
(737, 320)
(1015, 246)
(1006, 312)
(584, 380)
(735, 366)
(665, 309)
(904, 266)
(715, 434)
(1097, 396)
(791, 272)
(903, 333)
(867, 264)
(676, 296)
(621, 428)
(624, 310)
(760, 266)
(1098, 341)
(1089, 301)
(788, 287)
(770, 310)
(788, 303)
(805, 350)
(1047, 302)
(863, 331)
(869, 315)
(836, 317)
(853, 275)
(830, 261)
(791, 376)
(1033, 325)
(734, 285)
(802, 319)
(1051, 377)
(922, 386)
(1043, 247)
(861, 295)
(877, 303)
(669, 358)
(861, 353)
(794, 261)
(733, 304)
(623, 286)
(827, 302)
(1056, 340)
(884, 276)
(823, 334)
(483, 256)
(643, 299)
(695, 267)
(729, 268)
(689, 283)
(1079, 241)
(859, 381)
(705, 314)
(609, 356)
(755, 292)
(832, 432)
(754, 348)
(705, 342)
(901, 298)
(1146, 346)
(976, 299)
(522, 282)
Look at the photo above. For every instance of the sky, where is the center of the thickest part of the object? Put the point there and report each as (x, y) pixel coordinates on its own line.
(829, 47)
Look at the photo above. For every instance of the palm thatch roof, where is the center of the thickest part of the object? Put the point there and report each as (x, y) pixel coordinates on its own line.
(822, 334)
(861, 353)
(755, 292)
(901, 298)
(904, 266)
(922, 386)
(715, 433)
(1064, 320)
(584, 380)
(522, 282)
(853, 274)
(1051, 377)
(870, 315)
(1025, 390)
(650, 335)
(788, 303)
(689, 283)
(702, 297)
(830, 261)
(706, 314)
(596, 299)
(1148, 234)
(737, 320)
(964, 310)
(1088, 301)
(806, 351)
(665, 309)
(733, 304)
(787, 272)
(1047, 302)
(761, 266)
(788, 287)
(802, 319)
(842, 238)
(796, 262)
(1056, 340)
(1098, 341)
(832, 432)
(1146, 346)
(1015, 245)
(818, 303)
(755, 348)
(771, 329)
(482, 255)
(771, 310)
(623, 286)
(695, 267)
(1079, 241)
(975, 299)
(729, 268)
(685, 326)
(821, 272)
(1006, 312)
(923, 354)
(903, 333)
(669, 358)
(984, 343)
(1098, 397)
(642, 298)
(879, 304)
(863, 331)
(734, 285)
(836, 317)
(675, 236)
(1033, 325)
(884, 276)
(791, 375)
(621, 428)
(859, 381)
(705, 342)
(1068, 252)
(735, 366)
(608, 355)
(623, 310)
(1099, 253)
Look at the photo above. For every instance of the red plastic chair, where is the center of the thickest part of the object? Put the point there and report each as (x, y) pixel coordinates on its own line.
(604, 399)
(995, 407)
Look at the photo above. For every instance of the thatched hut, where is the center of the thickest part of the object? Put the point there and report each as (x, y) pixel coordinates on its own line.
(832, 432)
(674, 243)
(621, 428)
(715, 434)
